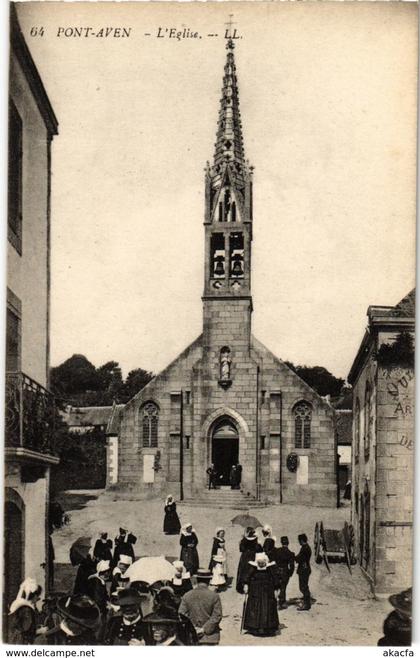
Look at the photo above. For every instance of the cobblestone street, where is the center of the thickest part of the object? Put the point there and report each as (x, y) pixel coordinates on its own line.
(344, 611)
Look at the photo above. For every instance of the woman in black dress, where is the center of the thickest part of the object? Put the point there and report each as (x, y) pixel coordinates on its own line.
(103, 547)
(181, 582)
(248, 547)
(269, 539)
(261, 616)
(189, 554)
(171, 523)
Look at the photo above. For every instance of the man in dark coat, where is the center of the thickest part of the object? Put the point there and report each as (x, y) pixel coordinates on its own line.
(238, 476)
(303, 559)
(232, 477)
(80, 619)
(162, 629)
(212, 476)
(285, 561)
(203, 608)
(397, 626)
(261, 617)
(126, 628)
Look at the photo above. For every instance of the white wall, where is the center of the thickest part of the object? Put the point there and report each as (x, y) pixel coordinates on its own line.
(27, 274)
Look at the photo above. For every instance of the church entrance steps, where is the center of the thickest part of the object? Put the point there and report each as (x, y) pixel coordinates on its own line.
(223, 499)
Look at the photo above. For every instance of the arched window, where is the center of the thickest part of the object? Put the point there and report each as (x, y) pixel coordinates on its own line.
(356, 430)
(149, 416)
(303, 418)
(366, 435)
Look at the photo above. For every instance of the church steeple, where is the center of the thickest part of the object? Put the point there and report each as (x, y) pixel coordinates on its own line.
(228, 213)
(229, 140)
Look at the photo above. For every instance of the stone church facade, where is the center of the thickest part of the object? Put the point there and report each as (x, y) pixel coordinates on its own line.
(227, 399)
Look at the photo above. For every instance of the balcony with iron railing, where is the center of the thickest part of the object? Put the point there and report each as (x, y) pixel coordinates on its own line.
(30, 419)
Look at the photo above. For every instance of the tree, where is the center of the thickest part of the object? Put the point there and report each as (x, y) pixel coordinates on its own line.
(319, 378)
(399, 353)
(79, 383)
(77, 374)
(135, 381)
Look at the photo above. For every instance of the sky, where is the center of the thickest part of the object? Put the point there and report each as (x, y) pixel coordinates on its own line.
(328, 105)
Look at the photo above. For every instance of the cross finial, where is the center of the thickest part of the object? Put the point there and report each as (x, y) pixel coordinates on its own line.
(230, 45)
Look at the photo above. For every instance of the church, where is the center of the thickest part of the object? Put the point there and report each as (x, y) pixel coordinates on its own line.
(226, 399)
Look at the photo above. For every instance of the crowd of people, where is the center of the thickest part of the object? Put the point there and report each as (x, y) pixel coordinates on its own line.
(108, 605)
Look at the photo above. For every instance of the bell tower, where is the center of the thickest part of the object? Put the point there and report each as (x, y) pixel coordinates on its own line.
(228, 218)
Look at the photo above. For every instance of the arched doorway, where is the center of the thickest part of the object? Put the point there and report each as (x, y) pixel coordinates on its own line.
(14, 528)
(224, 448)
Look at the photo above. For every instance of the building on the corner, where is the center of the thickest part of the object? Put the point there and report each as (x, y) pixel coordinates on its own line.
(382, 377)
(227, 399)
(29, 450)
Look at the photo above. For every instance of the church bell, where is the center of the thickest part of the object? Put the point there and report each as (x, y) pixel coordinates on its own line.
(237, 265)
(219, 269)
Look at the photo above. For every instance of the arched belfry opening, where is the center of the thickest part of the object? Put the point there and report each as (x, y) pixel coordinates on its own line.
(224, 448)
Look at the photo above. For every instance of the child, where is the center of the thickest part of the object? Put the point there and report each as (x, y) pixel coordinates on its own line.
(218, 579)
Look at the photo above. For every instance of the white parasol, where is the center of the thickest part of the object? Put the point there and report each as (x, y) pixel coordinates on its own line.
(150, 570)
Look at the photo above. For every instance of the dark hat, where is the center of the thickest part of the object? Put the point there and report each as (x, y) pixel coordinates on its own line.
(129, 596)
(403, 601)
(103, 535)
(141, 587)
(162, 615)
(302, 537)
(284, 540)
(203, 574)
(122, 531)
(79, 608)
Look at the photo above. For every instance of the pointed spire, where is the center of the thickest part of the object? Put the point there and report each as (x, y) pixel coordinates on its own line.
(229, 139)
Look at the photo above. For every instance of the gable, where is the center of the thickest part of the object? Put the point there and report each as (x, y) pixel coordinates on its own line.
(194, 347)
(266, 355)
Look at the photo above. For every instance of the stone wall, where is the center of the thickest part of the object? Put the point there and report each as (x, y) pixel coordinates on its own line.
(364, 465)
(320, 490)
(394, 488)
(132, 456)
(261, 395)
(386, 471)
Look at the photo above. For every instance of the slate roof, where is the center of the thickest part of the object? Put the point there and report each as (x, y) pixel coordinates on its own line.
(91, 416)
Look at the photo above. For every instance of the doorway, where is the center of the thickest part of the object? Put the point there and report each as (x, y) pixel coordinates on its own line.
(224, 449)
(13, 556)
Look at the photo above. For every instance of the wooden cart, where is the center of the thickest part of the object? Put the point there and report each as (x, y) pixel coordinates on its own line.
(335, 544)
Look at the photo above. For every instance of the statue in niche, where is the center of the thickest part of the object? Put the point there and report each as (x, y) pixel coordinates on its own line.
(227, 204)
(225, 363)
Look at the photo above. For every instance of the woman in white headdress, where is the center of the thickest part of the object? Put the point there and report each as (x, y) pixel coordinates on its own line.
(219, 548)
(261, 584)
(22, 622)
(189, 554)
(181, 581)
(269, 539)
(171, 522)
